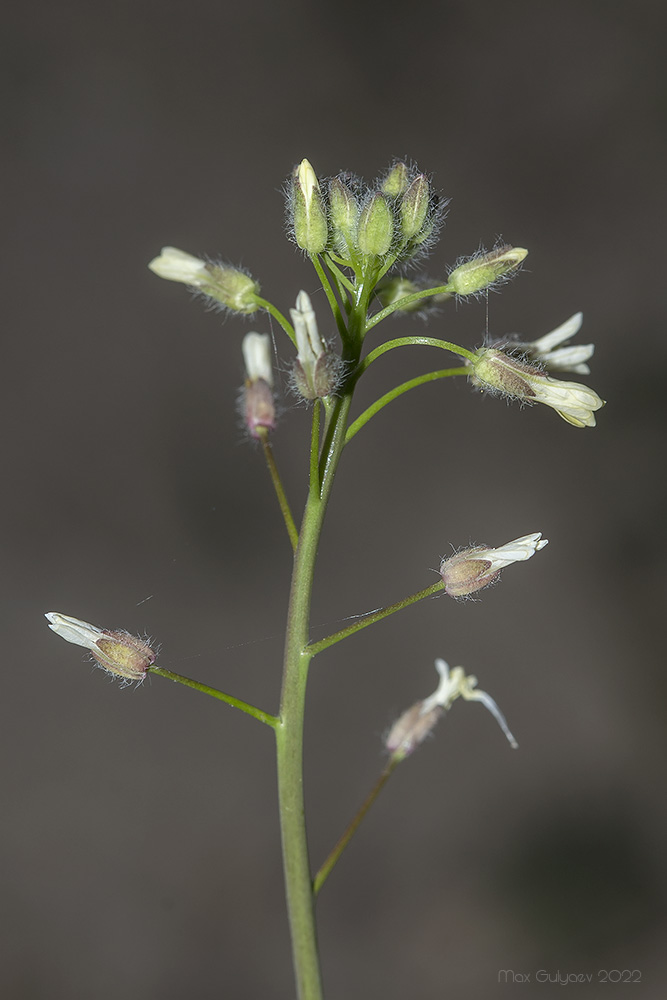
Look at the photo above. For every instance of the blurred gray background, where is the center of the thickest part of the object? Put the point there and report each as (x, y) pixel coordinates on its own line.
(139, 836)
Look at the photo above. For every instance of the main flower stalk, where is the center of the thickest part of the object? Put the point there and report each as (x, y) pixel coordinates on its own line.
(289, 730)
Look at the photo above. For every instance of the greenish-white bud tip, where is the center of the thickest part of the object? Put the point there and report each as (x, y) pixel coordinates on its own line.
(396, 181)
(486, 269)
(414, 206)
(309, 218)
(376, 227)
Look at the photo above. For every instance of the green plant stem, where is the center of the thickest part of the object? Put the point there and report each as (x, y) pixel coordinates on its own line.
(329, 292)
(407, 300)
(395, 393)
(345, 839)
(256, 713)
(278, 316)
(389, 345)
(278, 487)
(372, 617)
(289, 730)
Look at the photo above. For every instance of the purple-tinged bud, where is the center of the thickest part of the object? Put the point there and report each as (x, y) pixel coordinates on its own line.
(117, 652)
(317, 370)
(259, 412)
(472, 569)
(411, 729)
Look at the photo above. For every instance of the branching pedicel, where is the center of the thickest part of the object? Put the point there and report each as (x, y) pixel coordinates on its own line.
(358, 238)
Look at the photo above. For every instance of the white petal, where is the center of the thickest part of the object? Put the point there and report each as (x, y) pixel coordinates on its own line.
(73, 630)
(562, 333)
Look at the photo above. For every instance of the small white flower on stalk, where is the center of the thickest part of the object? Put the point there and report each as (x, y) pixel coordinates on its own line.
(177, 265)
(412, 728)
(119, 653)
(316, 370)
(498, 372)
(472, 569)
(548, 350)
(259, 413)
(225, 285)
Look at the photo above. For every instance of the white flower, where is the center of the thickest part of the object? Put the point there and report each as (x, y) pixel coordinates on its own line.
(308, 341)
(572, 358)
(176, 265)
(472, 569)
(118, 652)
(412, 728)
(572, 401)
(498, 372)
(256, 349)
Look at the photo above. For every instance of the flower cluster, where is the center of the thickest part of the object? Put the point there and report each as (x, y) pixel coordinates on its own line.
(398, 216)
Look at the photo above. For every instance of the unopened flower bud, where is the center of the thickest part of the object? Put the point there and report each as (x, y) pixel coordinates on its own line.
(316, 370)
(472, 569)
(496, 371)
(414, 206)
(376, 227)
(344, 212)
(396, 181)
(309, 218)
(118, 652)
(229, 286)
(412, 728)
(259, 413)
(391, 290)
(486, 269)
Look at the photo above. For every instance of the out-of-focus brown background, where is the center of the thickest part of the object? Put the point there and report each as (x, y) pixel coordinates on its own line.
(139, 835)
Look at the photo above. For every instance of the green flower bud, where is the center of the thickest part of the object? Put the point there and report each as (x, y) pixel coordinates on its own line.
(309, 218)
(390, 290)
(486, 269)
(344, 213)
(231, 287)
(376, 226)
(414, 206)
(396, 181)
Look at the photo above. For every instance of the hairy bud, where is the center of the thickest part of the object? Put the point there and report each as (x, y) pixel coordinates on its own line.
(121, 654)
(472, 569)
(376, 227)
(229, 286)
(485, 270)
(309, 219)
(259, 412)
